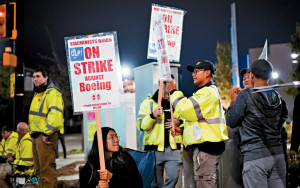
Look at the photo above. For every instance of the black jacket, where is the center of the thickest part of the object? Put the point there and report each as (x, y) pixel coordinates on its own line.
(126, 175)
(295, 142)
(261, 116)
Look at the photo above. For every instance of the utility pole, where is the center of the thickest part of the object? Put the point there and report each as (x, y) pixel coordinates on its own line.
(19, 51)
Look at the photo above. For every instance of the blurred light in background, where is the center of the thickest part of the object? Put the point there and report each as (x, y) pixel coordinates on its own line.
(294, 55)
(275, 75)
(126, 72)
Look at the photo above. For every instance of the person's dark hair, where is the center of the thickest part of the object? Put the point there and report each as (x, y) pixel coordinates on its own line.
(6, 128)
(262, 69)
(43, 70)
(93, 158)
(172, 76)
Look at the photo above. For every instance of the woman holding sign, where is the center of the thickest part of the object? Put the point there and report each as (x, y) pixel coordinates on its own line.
(121, 169)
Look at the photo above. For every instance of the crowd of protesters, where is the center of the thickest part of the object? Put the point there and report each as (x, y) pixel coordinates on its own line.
(254, 121)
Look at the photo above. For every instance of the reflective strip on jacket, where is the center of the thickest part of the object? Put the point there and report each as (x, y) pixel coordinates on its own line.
(24, 155)
(154, 128)
(203, 114)
(10, 144)
(46, 111)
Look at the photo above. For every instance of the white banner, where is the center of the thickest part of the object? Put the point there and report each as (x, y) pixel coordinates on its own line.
(94, 71)
(173, 22)
(161, 48)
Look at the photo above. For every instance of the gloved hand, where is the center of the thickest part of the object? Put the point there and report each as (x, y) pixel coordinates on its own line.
(20, 167)
(3, 159)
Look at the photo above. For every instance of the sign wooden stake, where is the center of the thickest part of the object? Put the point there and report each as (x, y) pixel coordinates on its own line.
(100, 140)
(173, 126)
(160, 93)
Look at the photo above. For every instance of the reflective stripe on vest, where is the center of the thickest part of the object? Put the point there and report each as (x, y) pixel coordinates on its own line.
(51, 127)
(151, 107)
(196, 108)
(158, 121)
(54, 107)
(40, 112)
(142, 117)
(26, 139)
(199, 113)
(24, 159)
(213, 121)
(176, 101)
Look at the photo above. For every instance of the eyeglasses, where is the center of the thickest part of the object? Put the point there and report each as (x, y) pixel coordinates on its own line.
(114, 138)
(196, 71)
(247, 77)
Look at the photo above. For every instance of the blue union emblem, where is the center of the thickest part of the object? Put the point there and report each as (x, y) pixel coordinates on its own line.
(152, 48)
(76, 54)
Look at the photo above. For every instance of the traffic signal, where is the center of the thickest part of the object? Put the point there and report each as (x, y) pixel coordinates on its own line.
(9, 59)
(8, 20)
(2, 20)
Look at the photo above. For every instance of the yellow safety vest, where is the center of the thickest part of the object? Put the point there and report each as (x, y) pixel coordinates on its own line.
(24, 155)
(203, 114)
(154, 128)
(46, 111)
(10, 144)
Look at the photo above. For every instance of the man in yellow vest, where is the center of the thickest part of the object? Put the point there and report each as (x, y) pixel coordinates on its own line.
(9, 142)
(156, 123)
(8, 148)
(23, 159)
(45, 120)
(204, 127)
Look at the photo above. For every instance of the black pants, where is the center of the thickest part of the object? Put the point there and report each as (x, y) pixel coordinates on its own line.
(61, 137)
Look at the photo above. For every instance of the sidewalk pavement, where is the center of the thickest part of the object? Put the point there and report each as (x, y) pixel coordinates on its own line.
(72, 142)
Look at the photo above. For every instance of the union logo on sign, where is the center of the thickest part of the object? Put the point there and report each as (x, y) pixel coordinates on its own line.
(76, 54)
(96, 97)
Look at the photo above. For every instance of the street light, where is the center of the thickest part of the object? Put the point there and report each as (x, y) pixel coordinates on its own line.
(275, 75)
(294, 57)
(126, 71)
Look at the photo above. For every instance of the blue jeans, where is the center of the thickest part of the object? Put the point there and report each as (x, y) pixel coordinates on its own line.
(170, 161)
(266, 172)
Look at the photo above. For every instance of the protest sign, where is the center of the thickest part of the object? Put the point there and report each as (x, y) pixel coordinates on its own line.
(94, 71)
(161, 49)
(163, 60)
(173, 22)
(95, 76)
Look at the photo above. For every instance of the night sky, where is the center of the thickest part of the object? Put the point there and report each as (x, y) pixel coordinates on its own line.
(206, 22)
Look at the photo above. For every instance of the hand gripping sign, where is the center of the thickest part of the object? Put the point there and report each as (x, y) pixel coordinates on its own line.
(95, 79)
(172, 23)
(163, 61)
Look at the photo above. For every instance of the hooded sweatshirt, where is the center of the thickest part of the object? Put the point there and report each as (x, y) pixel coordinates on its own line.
(261, 116)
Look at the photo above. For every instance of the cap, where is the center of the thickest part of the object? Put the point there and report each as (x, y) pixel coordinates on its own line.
(244, 71)
(262, 69)
(206, 65)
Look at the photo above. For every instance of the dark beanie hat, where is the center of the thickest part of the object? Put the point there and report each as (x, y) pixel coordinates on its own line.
(262, 69)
